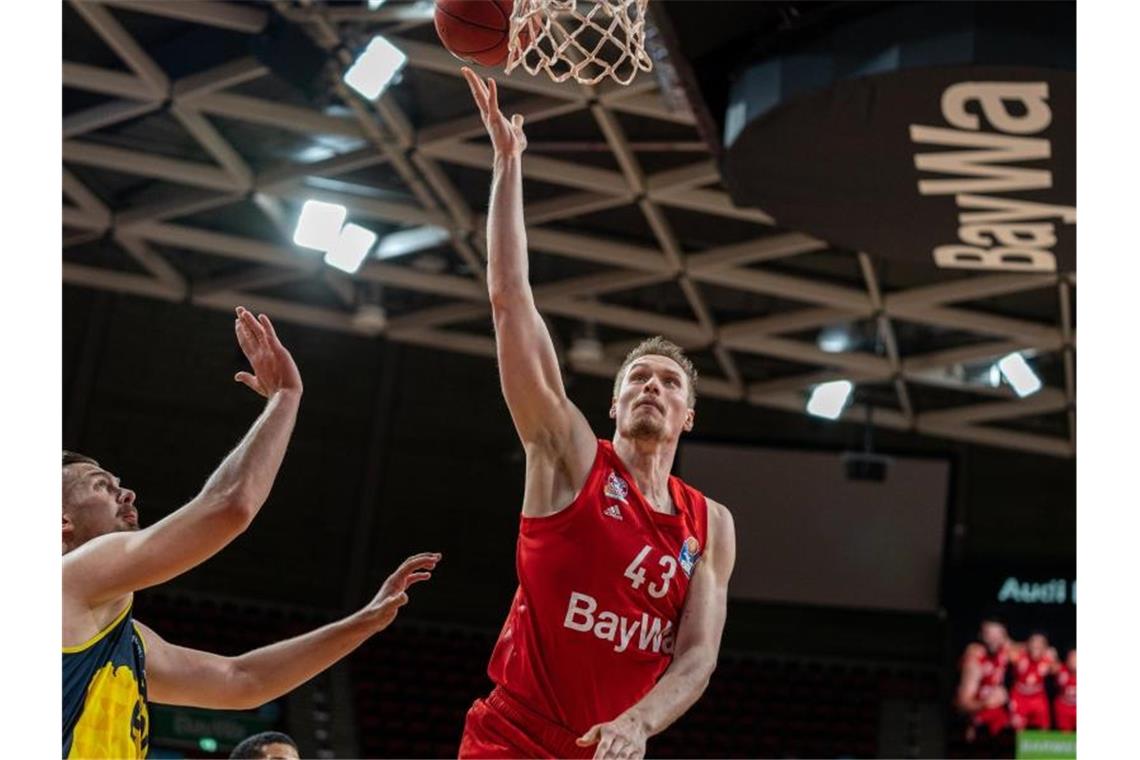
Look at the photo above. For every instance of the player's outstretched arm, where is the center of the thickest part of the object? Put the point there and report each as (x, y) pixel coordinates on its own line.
(119, 563)
(528, 365)
(182, 676)
(694, 656)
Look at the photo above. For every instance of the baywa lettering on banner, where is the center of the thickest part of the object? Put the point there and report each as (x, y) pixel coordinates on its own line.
(995, 233)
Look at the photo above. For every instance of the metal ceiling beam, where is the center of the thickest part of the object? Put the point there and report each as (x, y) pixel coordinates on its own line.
(80, 76)
(589, 248)
(153, 262)
(86, 200)
(191, 202)
(886, 332)
(276, 115)
(753, 251)
(221, 77)
(989, 324)
(573, 204)
(106, 114)
(970, 289)
(806, 353)
(214, 144)
(124, 45)
(792, 321)
(541, 168)
(147, 165)
(683, 177)
(787, 287)
(119, 282)
(465, 127)
(1037, 444)
(1045, 401)
(710, 202)
(233, 16)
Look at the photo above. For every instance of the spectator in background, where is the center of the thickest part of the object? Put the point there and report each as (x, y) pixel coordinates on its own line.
(981, 690)
(268, 745)
(1065, 705)
(1032, 663)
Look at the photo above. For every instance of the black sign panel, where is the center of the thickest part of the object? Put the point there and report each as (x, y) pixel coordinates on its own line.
(966, 166)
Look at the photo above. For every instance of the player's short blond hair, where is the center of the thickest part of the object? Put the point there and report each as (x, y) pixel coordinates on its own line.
(658, 346)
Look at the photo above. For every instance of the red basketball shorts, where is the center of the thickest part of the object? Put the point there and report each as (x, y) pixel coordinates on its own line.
(501, 727)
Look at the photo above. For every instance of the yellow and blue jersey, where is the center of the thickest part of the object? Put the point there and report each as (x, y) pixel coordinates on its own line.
(104, 694)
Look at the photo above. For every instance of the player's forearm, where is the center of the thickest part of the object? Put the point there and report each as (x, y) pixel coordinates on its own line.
(246, 475)
(267, 673)
(507, 269)
(679, 687)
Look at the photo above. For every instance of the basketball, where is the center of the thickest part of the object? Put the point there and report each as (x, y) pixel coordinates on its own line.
(475, 30)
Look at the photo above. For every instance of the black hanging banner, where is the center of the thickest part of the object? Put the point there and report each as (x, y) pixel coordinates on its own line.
(967, 164)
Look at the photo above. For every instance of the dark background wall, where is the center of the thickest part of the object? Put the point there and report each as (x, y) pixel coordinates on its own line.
(400, 449)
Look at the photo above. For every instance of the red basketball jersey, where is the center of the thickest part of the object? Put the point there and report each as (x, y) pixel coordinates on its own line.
(601, 588)
(993, 666)
(1029, 674)
(1067, 685)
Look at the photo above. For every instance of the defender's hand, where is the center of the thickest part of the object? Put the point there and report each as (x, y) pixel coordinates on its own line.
(624, 737)
(393, 594)
(507, 137)
(273, 366)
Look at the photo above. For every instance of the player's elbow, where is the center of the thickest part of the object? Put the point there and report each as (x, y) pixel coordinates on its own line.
(236, 510)
(507, 298)
(242, 690)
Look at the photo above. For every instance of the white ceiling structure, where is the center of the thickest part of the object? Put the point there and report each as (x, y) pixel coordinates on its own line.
(631, 232)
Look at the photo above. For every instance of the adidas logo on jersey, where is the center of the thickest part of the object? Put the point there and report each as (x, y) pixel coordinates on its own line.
(613, 511)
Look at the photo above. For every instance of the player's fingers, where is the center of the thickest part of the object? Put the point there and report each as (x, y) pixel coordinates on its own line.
(418, 561)
(478, 89)
(251, 382)
(417, 577)
(492, 95)
(588, 738)
(603, 749)
(256, 329)
(517, 121)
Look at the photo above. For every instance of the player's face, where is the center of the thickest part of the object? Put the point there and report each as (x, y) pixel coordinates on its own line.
(279, 751)
(653, 400)
(993, 635)
(1037, 644)
(95, 503)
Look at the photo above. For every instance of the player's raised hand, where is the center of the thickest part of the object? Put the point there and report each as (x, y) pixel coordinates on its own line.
(394, 593)
(622, 738)
(273, 367)
(507, 137)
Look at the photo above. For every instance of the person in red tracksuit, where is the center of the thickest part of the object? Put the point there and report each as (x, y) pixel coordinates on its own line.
(1032, 662)
(1065, 704)
(623, 569)
(981, 691)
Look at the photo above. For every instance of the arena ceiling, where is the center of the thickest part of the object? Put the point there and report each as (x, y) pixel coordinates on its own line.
(193, 131)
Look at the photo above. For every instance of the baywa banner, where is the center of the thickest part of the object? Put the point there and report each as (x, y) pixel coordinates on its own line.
(968, 167)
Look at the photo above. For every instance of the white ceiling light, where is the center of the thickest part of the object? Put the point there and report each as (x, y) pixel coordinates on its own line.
(350, 248)
(319, 225)
(375, 68)
(1019, 375)
(374, 4)
(829, 399)
(410, 240)
(834, 339)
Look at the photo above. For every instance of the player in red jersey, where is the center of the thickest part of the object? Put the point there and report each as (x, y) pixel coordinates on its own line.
(1065, 705)
(1032, 663)
(981, 691)
(623, 569)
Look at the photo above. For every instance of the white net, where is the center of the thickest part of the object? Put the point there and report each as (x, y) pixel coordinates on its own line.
(587, 40)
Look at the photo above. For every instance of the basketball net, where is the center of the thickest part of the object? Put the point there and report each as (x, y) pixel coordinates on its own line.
(586, 40)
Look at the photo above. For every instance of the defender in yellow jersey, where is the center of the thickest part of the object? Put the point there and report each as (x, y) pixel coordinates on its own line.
(113, 664)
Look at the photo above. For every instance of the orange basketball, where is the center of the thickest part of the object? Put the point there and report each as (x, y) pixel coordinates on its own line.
(475, 30)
